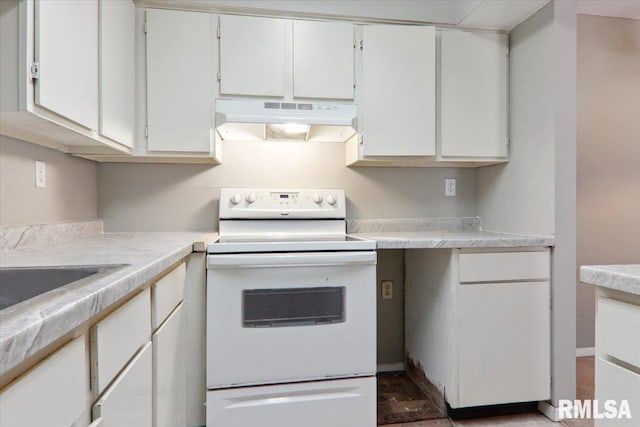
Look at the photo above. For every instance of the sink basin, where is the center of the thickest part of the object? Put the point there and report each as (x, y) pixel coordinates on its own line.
(22, 283)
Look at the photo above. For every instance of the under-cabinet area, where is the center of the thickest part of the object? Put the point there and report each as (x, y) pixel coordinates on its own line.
(475, 328)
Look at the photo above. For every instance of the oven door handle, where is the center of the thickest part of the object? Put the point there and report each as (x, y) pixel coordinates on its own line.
(299, 259)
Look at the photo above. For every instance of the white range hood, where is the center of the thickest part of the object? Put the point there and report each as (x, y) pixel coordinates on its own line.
(260, 120)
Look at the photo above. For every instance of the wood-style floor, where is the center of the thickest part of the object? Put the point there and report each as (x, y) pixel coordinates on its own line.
(399, 402)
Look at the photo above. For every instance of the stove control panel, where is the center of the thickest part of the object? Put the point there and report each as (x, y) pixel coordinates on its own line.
(241, 203)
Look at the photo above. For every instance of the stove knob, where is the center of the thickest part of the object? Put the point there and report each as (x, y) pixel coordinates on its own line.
(331, 199)
(237, 198)
(251, 197)
(317, 198)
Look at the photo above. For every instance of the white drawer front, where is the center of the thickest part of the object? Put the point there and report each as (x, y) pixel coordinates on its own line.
(618, 330)
(616, 383)
(166, 294)
(115, 339)
(337, 403)
(52, 394)
(504, 266)
(128, 401)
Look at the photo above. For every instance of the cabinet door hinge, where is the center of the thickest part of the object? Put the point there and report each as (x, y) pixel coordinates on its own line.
(35, 70)
(219, 75)
(146, 131)
(144, 24)
(218, 32)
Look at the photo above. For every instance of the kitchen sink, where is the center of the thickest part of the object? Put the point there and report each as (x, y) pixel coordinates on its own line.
(19, 284)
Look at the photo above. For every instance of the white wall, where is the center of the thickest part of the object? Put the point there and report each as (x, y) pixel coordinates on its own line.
(146, 197)
(535, 191)
(71, 192)
(608, 152)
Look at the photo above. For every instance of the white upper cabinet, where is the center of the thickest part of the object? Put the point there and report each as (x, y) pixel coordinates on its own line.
(473, 94)
(117, 70)
(397, 105)
(66, 46)
(180, 81)
(252, 55)
(323, 60)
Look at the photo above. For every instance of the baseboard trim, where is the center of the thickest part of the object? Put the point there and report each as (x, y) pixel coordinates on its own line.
(585, 351)
(390, 367)
(549, 411)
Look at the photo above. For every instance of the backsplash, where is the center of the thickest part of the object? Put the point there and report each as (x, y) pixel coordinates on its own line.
(19, 236)
(161, 197)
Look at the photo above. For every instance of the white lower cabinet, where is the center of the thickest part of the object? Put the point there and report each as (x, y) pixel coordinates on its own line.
(336, 403)
(127, 402)
(169, 371)
(503, 343)
(477, 323)
(617, 355)
(54, 393)
(616, 383)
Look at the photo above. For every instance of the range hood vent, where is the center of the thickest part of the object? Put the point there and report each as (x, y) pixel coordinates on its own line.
(259, 120)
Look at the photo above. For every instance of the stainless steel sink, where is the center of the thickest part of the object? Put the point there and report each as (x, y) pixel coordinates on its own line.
(22, 283)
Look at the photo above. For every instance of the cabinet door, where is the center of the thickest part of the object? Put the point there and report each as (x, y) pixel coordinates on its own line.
(473, 97)
(169, 371)
(503, 343)
(323, 59)
(67, 50)
(53, 394)
(180, 78)
(117, 67)
(398, 94)
(616, 383)
(128, 400)
(252, 55)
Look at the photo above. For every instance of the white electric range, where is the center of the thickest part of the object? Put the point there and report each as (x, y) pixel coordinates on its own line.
(291, 313)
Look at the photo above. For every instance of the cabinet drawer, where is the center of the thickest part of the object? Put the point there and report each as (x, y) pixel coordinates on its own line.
(618, 330)
(54, 393)
(116, 339)
(128, 401)
(504, 266)
(336, 403)
(166, 294)
(616, 383)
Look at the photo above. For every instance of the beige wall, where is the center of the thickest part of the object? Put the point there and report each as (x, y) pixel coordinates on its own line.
(145, 197)
(608, 151)
(535, 192)
(71, 192)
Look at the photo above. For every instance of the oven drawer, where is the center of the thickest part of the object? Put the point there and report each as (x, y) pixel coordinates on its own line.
(274, 318)
(337, 403)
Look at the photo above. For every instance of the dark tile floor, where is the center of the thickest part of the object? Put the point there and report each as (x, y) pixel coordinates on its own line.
(402, 404)
(401, 401)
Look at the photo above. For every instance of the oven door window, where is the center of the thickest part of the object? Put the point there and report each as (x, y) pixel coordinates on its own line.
(269, 308)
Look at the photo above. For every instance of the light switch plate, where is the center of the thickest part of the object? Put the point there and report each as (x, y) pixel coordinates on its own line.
(41, 174)
(450, 187)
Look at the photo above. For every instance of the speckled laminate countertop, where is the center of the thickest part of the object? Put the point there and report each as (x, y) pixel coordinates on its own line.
(31, 325)
(431, 233)
(625, 278)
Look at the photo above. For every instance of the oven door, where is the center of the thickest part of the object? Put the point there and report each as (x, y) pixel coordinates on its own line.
(274, 318)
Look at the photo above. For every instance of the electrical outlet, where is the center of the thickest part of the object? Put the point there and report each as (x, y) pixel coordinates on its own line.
(387, 289)
(450, 187)
(41, 174)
